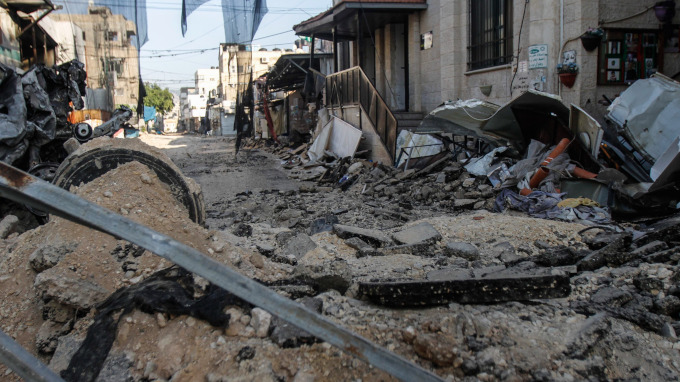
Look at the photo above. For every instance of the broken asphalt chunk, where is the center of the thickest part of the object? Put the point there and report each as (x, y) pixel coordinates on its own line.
(335, 275)
(287, 335)
(323, 224)
(667, 230)
(614, 253)
(517, 287)
(297, 246)
(420, 233)
(371, 236)
(465, 250)
(464, 203)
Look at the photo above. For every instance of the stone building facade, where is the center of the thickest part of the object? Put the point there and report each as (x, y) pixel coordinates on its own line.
(421, 53)
(111, 59)
(236, 63)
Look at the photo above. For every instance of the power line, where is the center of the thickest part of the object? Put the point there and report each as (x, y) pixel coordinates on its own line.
(202, 8)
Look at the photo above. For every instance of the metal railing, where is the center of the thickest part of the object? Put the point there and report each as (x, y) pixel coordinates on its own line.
(352, 87)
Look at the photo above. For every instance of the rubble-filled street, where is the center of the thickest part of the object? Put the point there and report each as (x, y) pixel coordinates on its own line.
(417, 262)
(339, 190)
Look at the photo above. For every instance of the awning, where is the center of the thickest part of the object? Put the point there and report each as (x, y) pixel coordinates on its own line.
(342, 17)
(290, 70)
(26, 6)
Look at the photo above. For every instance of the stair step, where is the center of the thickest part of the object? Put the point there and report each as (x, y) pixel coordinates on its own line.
(407, 124)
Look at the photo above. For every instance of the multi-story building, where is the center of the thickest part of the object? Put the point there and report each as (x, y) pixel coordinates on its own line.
(237, 62)
(112, 62)
(418, 54)
(10, 52)
(206, 81)
(185, 108)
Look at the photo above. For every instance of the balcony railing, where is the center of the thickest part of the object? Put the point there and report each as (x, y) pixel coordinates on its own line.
(352, 87)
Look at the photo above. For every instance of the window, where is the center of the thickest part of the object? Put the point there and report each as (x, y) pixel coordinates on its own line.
(490, 33)
(112, 36)
(626, 55)
(116, 65)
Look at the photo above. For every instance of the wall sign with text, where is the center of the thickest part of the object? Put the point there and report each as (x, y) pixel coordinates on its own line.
(538, 56)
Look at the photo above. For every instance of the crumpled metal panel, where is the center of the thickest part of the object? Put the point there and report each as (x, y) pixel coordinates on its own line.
(33, 107)
(460, 118)
(649, 111)
(586, 129)
(496, 125)
(43, 120)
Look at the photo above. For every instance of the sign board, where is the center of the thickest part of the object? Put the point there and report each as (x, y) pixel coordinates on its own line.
(569, 57)
(538, 56)
(426, 40)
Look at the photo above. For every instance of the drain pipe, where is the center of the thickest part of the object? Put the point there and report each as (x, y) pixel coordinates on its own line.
(559, 56)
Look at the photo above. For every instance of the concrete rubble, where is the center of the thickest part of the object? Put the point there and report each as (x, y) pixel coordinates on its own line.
(437, 263)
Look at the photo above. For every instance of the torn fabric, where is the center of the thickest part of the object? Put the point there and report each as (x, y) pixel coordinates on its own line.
(189, 6)
(544, 205)
(170, 291)
(241, 19)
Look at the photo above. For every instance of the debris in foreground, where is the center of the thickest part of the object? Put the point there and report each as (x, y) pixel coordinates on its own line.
(519, 287)
(23, 188)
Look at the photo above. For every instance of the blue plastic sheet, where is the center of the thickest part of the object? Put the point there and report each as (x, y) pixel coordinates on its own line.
(149, 113)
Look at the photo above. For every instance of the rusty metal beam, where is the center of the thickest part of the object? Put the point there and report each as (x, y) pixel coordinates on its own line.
(24, 188)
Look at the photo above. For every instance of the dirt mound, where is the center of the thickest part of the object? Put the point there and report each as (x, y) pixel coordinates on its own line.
(54, 276)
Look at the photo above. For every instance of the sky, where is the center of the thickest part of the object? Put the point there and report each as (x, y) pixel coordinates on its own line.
(170, 60)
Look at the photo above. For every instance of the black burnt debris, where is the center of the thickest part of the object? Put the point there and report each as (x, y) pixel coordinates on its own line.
(34, 123)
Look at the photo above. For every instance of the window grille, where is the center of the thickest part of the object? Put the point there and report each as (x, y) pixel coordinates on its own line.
(490, 33)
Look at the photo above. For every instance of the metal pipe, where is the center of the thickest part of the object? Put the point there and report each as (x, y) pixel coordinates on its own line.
(335, 51)
(23, 188)
(311, 52)
(24, 363)
(559, 57)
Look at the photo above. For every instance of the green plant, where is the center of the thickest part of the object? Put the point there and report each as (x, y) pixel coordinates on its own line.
(568, 68)
(159, 98)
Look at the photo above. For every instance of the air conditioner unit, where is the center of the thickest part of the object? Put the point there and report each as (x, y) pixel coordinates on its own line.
(264, 60)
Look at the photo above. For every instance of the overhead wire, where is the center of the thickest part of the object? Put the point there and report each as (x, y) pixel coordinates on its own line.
(519, 45)
(178, 53)
(203, 8)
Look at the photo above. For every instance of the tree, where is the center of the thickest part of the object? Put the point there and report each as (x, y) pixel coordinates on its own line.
(159, 98)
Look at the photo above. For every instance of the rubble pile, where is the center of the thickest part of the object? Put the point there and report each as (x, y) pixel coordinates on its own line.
(444, 184)
(628, 272)
(467, 293)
